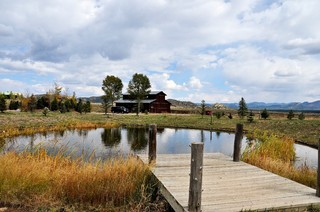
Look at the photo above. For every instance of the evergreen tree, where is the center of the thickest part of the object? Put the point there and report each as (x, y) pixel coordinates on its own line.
(3, 105)
(54, 105)
(265, 114)
(290, 115)
(250, 117)
(203, 108)
(87, 107)
(79, 107)
(14, 105)
(301, 116)
(243, 109)
(32, 104)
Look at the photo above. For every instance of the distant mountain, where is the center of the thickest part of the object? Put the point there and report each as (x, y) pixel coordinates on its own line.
(92, 99)
(279, 106)
(252, 105)
(178, 103)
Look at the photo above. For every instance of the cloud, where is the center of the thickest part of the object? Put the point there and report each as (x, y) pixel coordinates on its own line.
(195, 83)
(259, 49)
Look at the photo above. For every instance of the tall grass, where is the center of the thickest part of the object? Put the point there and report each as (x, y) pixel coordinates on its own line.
(276, 154)
(36, 179)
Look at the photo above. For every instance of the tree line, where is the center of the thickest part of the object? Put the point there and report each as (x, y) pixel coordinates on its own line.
(53, 100)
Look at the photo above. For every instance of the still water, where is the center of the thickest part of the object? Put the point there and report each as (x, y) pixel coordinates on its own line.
(105, 143)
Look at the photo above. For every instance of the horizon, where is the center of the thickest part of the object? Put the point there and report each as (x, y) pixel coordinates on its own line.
(219, 51)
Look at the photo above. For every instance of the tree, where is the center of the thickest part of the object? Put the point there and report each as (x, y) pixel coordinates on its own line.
(250, 117)
(54, 104)
(3, 105)
(112, 87)
(203, 108)
(32, 104)
(264, 114)
(79, 107)
(290, 115)
(138, 88)
(243, 109)
(87, 107)
(45, 111)
(301, 116)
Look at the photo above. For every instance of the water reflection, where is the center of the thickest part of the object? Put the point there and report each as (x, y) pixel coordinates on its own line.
(137, 138)
(111, 137)
(105, 143)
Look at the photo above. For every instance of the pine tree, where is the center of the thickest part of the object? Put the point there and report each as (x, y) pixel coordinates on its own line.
(3, 105)
(203, 108)
(243, 109)
(301, 116)
(32, 104)
(290, 115)
(250, 117)
(265, 114)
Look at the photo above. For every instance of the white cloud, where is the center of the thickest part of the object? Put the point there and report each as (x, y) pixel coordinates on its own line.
(261, 49)
(195, 83)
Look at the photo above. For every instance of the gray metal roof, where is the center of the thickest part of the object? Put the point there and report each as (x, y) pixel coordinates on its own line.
(127, 101)
(151, 92)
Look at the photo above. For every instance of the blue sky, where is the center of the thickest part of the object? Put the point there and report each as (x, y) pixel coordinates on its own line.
(212, 50)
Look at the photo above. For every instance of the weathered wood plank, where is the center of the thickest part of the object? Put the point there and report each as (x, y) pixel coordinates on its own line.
(229, 186)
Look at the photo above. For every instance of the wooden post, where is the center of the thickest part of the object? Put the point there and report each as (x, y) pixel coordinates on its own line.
(152, 142)
(318, 172)
(195, 186)
(237, 143)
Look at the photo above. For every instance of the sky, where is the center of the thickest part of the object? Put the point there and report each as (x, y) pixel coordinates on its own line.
(212, 50)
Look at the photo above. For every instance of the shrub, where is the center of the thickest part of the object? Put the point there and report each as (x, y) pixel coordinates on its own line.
(301, 116)
(265, 114)
(290, 115)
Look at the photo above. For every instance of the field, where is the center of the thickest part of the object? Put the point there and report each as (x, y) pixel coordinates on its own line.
(35, 187)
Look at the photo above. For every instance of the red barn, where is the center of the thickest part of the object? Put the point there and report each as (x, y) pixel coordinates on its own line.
(155, 102)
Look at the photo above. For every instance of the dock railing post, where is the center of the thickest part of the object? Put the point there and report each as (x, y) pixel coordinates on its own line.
(195, 186)
(237, 143)
(152, 143)
(318, 172)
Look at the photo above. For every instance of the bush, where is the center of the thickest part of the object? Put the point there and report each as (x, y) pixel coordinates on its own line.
(250, 117)
(290, 115)
(301, 116)
(218, 115)
(265, 114)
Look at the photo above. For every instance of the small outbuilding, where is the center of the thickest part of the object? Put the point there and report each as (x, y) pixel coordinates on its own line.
(154, 102)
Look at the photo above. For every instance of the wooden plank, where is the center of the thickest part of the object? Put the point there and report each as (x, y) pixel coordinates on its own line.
(229, 186)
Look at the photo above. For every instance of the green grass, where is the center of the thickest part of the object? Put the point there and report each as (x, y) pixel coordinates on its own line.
(19, 122)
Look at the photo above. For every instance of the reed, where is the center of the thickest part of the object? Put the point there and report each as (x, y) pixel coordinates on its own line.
(35, 179)
(275, 154)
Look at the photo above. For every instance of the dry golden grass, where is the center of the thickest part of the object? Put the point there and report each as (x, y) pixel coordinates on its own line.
(35, 179)
(275, 154)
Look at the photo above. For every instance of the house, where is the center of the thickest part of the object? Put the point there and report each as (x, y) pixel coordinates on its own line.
(155, 102)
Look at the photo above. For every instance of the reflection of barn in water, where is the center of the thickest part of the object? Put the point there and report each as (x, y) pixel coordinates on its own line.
(155, 102)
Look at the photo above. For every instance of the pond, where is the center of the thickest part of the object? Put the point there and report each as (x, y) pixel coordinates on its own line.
(105, 143)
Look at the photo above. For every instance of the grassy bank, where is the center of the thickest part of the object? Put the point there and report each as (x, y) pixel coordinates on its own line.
(275, 154)
(37, 181)
(13, 123)
(31, 178)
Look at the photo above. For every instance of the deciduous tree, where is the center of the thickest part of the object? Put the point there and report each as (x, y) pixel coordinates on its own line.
(138, 88)
(112, 87)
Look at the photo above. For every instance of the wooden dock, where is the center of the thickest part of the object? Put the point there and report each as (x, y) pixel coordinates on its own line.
(229, 186)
